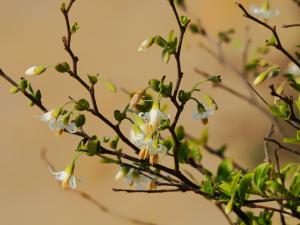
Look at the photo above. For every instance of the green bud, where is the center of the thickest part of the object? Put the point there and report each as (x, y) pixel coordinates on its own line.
(184, 20)
(74, 28)
(80, 120)
(93, 79)
(63, 7)
(93, 147)
(154, 84)
(184, 96)
(62, 67)
(14, 90)
(23, 84)
(215, 79)
(82, 105)
(114, 143)
(165, 56)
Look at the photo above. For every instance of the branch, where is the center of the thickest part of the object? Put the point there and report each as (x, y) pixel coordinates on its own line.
(291, 25)
(149, 191)
(282, 146)
(266, 149)
(278, 45)
(178, 82)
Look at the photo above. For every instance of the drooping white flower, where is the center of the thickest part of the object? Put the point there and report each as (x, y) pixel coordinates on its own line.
(155, 116)
(134, 178)
(264, 11)
(58, 122)
(203, 113)
(35, 70)
(123, 171)
(151, 149)
(66, 176)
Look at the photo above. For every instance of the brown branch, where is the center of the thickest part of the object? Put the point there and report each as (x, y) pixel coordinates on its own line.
(255, 206)
(282, 146)
(149, 191)
(177, 55)
(291, 25)
(266, 148)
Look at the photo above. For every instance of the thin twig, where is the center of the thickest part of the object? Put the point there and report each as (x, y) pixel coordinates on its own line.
(282, 146)
(291, 25)
(266, 148)
(149, 191)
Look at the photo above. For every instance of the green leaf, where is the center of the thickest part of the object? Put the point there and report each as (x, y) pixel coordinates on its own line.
(38, 96)
(80, 120)
(119, 116)
(166, 55)
(225, 188)
(62, 67)
(280, 110)
(74, 28)
(110, 86)
(180, 133)
(93, 79)
(207, 185)
(224, 170)
(271, 41)
(160, 41)
(183, 153)
(82, 105)
(114, 142)
(23, 84)
(93, 147)
(261, 175)
(184, 96)
(245, 185)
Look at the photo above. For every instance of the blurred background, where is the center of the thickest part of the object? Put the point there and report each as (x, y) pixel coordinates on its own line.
(110, 33)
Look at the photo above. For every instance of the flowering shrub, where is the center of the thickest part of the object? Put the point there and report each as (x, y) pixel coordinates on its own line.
(155, 134)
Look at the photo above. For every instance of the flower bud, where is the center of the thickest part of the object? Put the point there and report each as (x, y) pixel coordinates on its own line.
(35, 70)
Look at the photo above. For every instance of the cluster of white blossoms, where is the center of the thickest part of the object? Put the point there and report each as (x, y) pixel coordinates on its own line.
(59, 121)
(145, 134)
(264, 11)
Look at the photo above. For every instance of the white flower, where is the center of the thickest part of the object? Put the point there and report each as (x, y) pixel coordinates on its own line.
(203, 113)
(146, 44)
(152, 149)
(264, 11)
(66, 177)
(155, 116)
(35, 70)
(293, 69)
(134, 178)
(123, 171)
(58, 122)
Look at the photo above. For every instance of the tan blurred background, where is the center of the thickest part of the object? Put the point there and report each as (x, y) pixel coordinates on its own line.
(110, 32)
